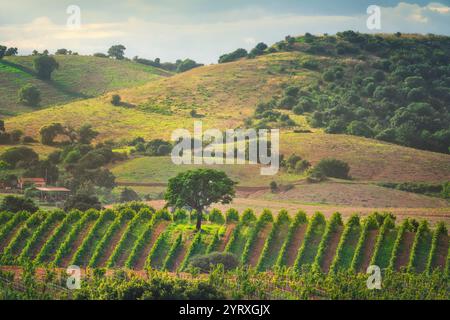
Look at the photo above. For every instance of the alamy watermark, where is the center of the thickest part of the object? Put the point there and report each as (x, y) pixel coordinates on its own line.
(234, 146)
(373, 22)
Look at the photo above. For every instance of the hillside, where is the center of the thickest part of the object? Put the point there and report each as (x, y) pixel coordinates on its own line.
(78, 77)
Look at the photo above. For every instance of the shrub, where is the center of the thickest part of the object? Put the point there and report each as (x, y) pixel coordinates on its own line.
(273, 186)
(216, 216)
(334, 168)
(128, 195)
(232, 215)
(116, 100)
(205, 262)
(29, 95)
(16, 204)
(248, 217)
(180, 215)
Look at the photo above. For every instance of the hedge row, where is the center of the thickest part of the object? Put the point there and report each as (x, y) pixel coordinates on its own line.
(43, 229)
(145, 237)
(194, 249)
(51, 245)
(123, 217)
(81, 255)
(66, 246)
(317, 220)
(405, 226)
(171, 255)
(283, 217)
(422, 232)
(299, 219)
(5, 216)
(143, 216)
(370, 223)
(156, 250)
(439, 232)
(13, 223)
(332, 226)
(388, 224)
(214, 242)
(352, 223)
(265, 218)
(26, 231)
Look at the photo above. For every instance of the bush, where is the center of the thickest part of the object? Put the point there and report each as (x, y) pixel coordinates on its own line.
(232, 215)
(207, 261)
(82, 202)
(29, 95)
(216, 216)
(128, 195)
(248, 216)
(273, 186)
(16, 204)
(116, 100)
(334, 168)
(180, 215)
(235, 55)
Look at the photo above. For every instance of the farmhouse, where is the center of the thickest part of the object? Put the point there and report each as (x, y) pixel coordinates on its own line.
(52, 194)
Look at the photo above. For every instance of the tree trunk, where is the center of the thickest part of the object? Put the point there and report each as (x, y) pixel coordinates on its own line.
(199, 219)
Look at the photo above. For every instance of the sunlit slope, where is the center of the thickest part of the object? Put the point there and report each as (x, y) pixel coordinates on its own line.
(78, 77)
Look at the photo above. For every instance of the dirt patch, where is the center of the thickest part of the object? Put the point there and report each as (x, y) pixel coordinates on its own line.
(295, 244)
(259, 245)
(37, 248)
(226, 237)
(442, 251)
(5, 243)
(368, 249)
(80, 237)
(180, 255)
(331, 250)
(160, 227)
(405, 250)
(111, 245)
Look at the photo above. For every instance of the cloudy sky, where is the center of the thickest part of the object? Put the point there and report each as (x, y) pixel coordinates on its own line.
(201, 29)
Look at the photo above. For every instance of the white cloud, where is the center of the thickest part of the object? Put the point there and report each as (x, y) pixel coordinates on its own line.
(206, 41)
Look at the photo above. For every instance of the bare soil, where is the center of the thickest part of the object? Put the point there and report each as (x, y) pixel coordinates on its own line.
(226, 237)
(295, 245)
(331, 250)
(160, 227)
(111, 245)
(259, 244)
(368, 249)
(405, 250)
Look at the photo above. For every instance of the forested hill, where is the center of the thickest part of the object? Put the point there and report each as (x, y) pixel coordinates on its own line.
(394, 88)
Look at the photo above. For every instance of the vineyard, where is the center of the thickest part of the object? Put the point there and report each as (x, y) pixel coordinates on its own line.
(137, 237)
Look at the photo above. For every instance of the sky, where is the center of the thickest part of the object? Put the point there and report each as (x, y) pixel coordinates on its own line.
(200, 29)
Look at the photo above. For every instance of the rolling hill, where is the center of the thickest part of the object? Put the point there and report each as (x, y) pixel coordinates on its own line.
(78, 77)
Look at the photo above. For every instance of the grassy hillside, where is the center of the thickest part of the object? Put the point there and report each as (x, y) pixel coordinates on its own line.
(77, 77)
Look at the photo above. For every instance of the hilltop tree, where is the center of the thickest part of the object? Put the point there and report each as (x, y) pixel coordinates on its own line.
(199, 189)
(29, 95)
(86, 134)
(62, 51)
(117, 51)
(11, 52)
(48, 133)
(2, 51)
(44, 66)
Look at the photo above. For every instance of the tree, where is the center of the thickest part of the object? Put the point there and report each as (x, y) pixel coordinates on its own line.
(61, 51)
(16, 204)
(115, 100)
(48, 133)
(128, 195)
(199, 189)
(11, 52)
(29, 95)
(86, 134)
(117, 51)
(83, 202)
(44, 66)
(187, 64)
(25, 156)
(333, 168)
(2, 51)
